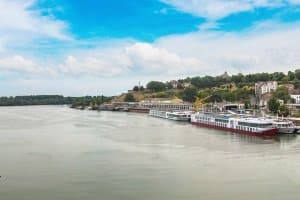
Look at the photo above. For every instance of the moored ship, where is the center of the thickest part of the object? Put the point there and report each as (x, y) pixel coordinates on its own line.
(285, 126)
(244, 125)
(171, 115)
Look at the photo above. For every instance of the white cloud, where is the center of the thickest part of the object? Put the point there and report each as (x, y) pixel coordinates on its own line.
(217, 9)
(98, 62)
(177, 56)
(24, 66)
(268, 46)
(159, 60)
(18, 23)
(137, 57)
(257, 50)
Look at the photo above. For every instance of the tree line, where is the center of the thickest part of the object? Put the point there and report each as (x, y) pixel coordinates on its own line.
(238, 87)
(50, 100)
(215, 81)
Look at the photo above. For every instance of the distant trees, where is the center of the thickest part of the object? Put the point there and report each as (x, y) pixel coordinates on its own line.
(297, 74)
(273, 105)
(291, 76)
(90, 101)
(204, 82)
(129, 98)
(156, 86)
(189, 94)
(35, 100)
(169, 85)
(282, 93)
(237, 78)
(283, 110)
(52, 100)
(136, 88)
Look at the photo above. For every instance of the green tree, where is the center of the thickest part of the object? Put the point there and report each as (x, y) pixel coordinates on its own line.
(297, 74)
(169, 85)
(228, 96)
(136, 88)
(282, 93)
(283, 110)
(291, 76)
(278, 76)
(129, 98)
(273, 105)
(239, 78)
(204, 82)
(189, 94)
(156, 86)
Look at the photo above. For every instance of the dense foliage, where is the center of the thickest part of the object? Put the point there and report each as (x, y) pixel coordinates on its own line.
(189, 94)
(129, 98)
(36, 100)
(51, 100)
(156, 86)
(233, 88)
(282, 93)
(273, 105)
(92, 101)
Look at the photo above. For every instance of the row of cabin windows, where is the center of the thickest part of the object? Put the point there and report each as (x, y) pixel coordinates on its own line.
(254, 124)
(284, 125)
(222, 120)
(246, 128)
(216, 123)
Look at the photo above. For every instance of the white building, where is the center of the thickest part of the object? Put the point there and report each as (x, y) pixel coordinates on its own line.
(262, 88)
(174, 84)
(296, 97)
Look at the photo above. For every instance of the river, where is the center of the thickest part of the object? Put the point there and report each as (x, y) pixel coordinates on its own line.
(57, 153)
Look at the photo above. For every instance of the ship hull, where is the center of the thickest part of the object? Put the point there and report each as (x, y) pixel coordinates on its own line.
(267, 133)
(288, 130)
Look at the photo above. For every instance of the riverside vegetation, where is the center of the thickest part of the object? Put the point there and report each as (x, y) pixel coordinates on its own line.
(224, 88)
(53, 100)
(234, 88)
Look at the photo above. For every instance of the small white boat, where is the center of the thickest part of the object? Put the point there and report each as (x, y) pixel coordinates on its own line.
(285, 126)
(172, 115)
(179, 116)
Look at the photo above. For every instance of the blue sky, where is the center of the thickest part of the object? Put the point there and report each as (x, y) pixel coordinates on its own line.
(99, 46)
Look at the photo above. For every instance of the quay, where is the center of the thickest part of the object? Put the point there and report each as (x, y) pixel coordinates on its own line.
(145, 107)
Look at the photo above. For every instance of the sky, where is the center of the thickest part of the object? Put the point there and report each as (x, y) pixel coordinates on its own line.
(94, 47)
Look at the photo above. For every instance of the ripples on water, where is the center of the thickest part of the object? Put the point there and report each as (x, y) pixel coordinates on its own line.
(53, 152)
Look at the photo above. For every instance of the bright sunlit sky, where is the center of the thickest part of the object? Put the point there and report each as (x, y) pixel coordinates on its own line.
(81, 47)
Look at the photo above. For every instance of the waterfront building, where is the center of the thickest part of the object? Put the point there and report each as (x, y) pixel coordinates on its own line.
(263, 92)
(168, 106)
(296, 98)
(174, 84)
(262, 88)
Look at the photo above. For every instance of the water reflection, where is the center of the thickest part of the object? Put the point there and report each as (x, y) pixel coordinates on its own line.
(59, 153)
(286, 138)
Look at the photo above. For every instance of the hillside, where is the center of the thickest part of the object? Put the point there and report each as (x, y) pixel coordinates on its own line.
(229, 88)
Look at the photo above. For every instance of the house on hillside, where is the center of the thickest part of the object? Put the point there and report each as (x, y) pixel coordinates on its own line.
(289, 87)
(262, 88)
(174, 84)
(225, 76)
(187, 85)
(263, 92)
(296, 98)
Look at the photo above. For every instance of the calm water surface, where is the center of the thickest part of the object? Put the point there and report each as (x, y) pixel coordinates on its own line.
(54, 153)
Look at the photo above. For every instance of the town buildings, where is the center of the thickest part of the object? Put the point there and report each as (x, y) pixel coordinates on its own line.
(296, 98)
(263, 92)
